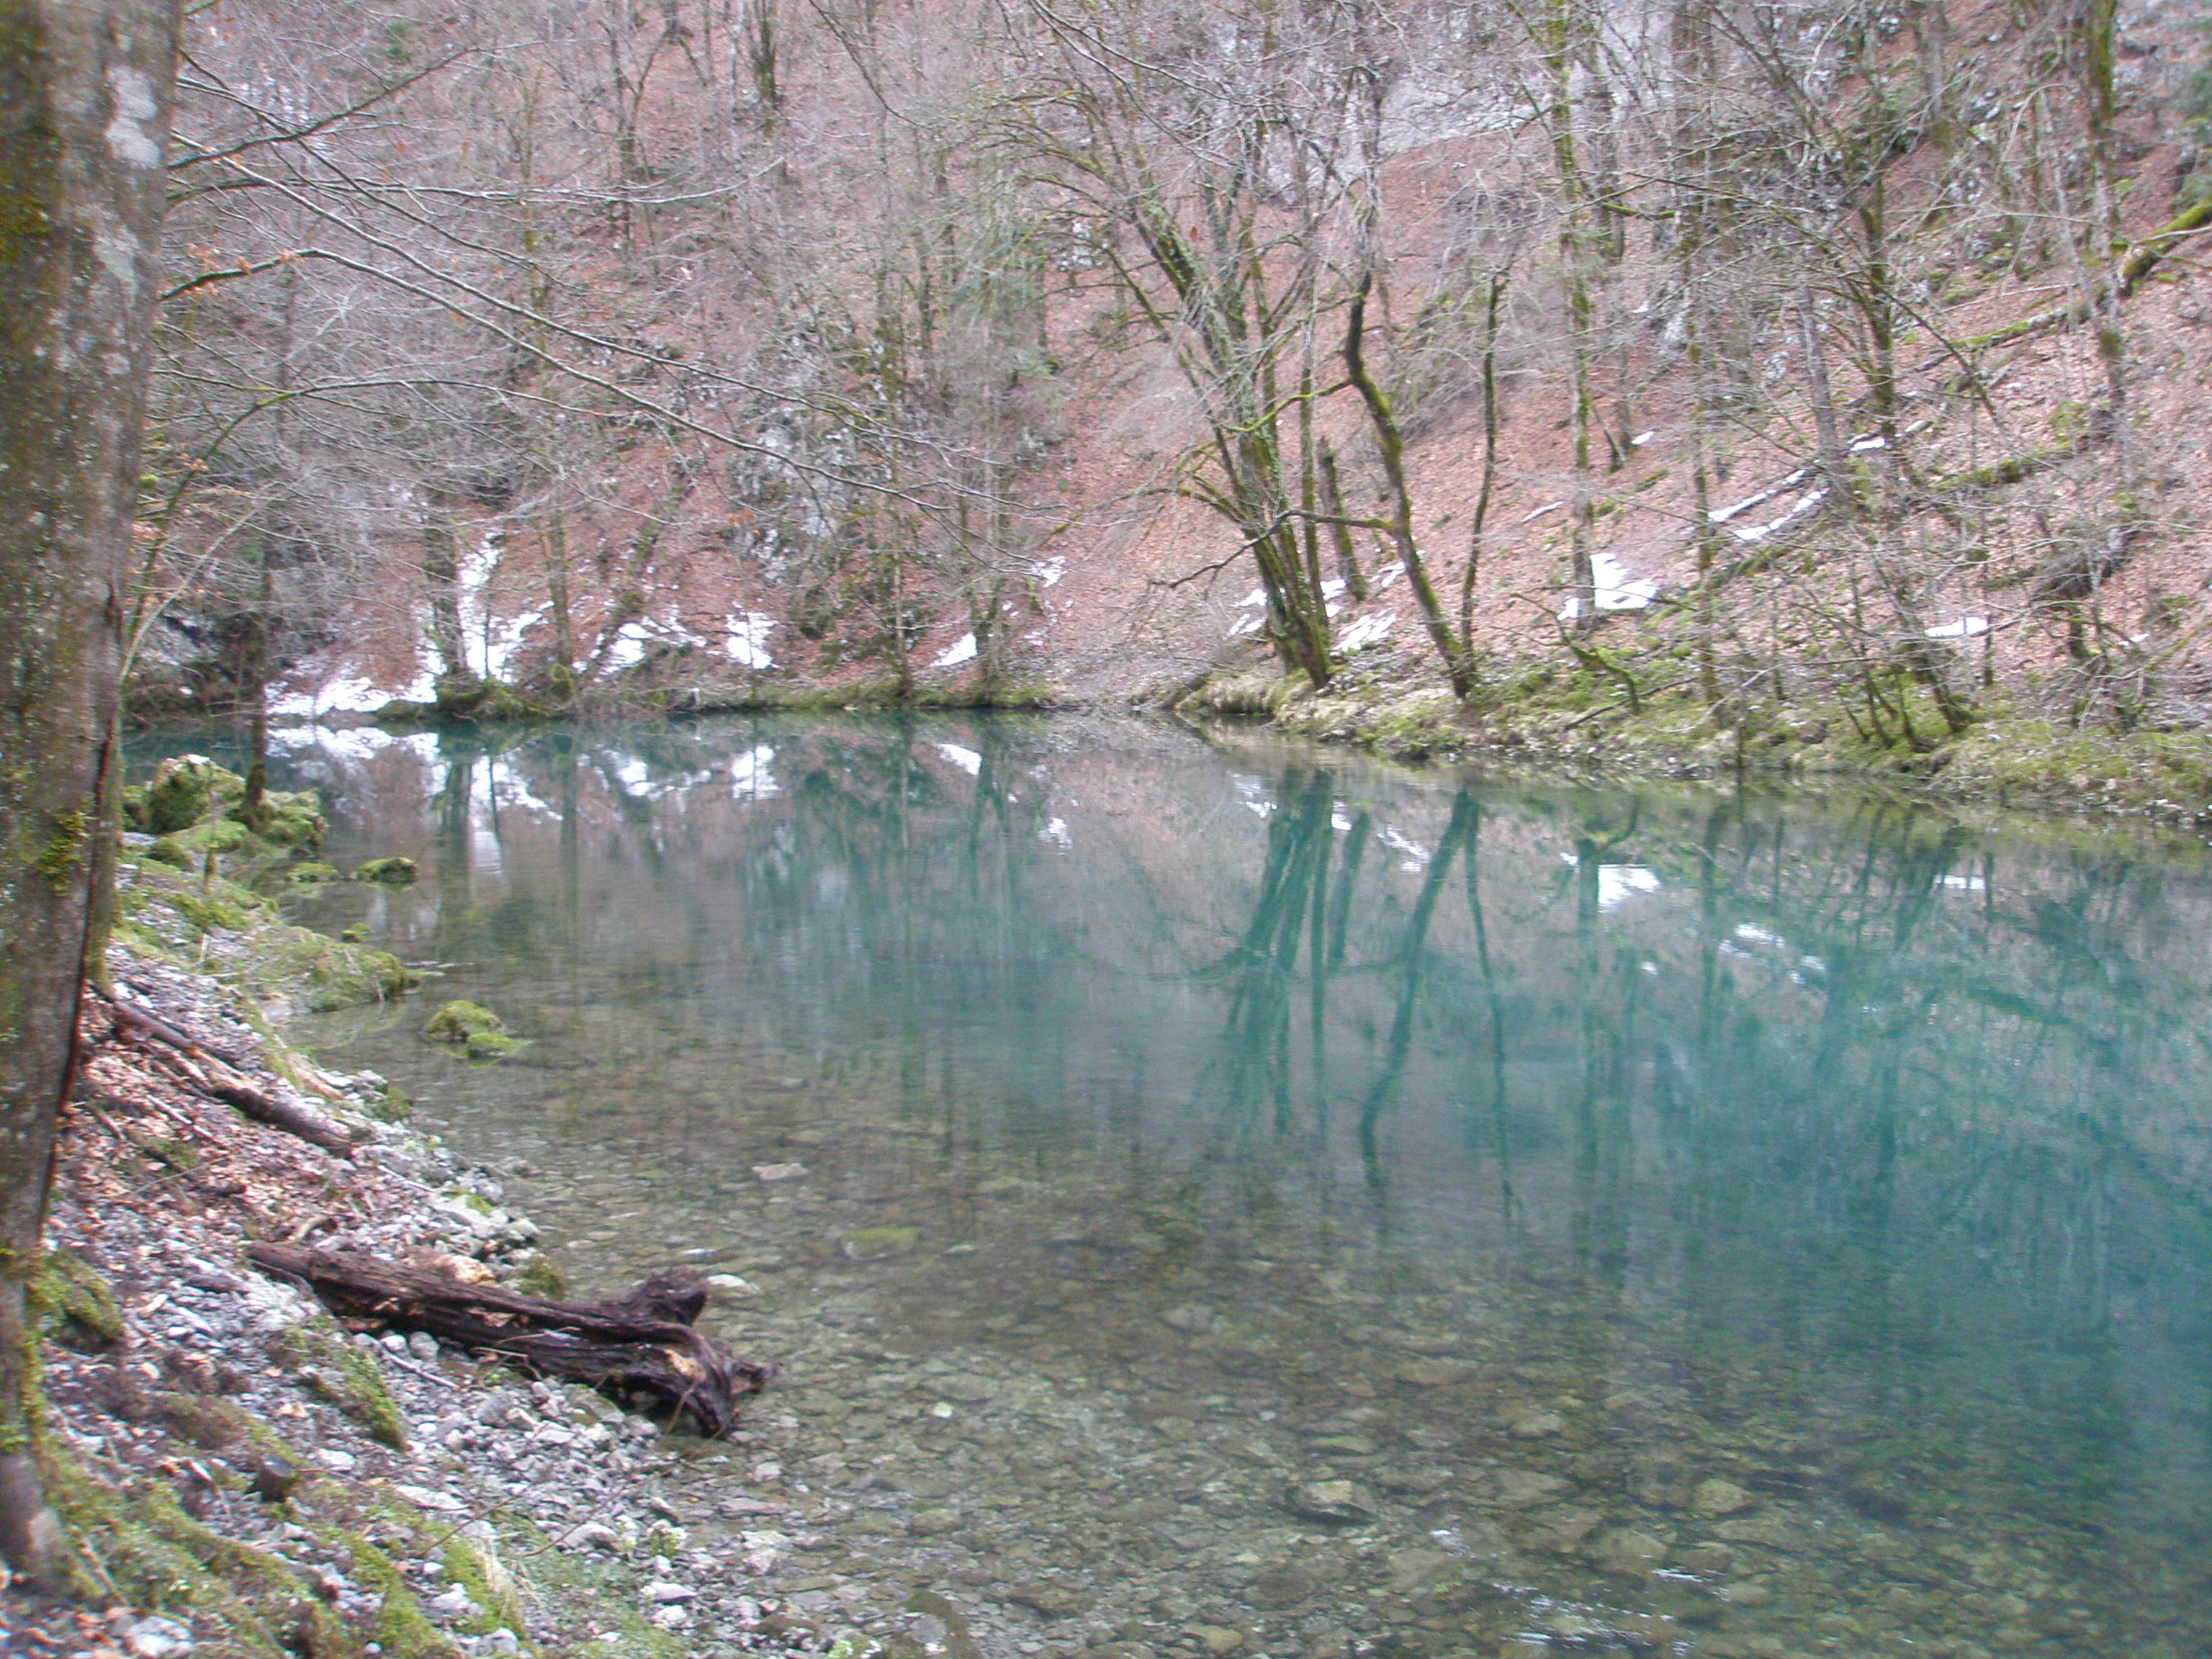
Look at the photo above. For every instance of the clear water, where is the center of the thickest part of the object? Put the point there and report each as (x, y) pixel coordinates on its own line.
(1735, 1225)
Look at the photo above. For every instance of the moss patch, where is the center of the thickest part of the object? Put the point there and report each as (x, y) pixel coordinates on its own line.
(391, 871)
(73, 1303)
(133, 1542)
(337, 1371)
(457, 1020)
(215, 924)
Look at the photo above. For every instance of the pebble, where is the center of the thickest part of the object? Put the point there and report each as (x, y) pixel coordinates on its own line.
(155, 1638)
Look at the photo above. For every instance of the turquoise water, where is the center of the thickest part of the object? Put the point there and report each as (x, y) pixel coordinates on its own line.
(1784, 1222)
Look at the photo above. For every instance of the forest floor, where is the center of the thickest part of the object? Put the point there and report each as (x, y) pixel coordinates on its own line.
(238, 1474)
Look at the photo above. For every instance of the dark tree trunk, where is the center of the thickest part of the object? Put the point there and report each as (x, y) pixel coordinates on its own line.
(84, 93)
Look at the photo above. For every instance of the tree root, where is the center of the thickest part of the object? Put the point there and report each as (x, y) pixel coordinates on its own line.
(639, 1342)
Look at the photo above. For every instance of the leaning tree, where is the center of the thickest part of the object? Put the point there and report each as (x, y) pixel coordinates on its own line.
(84, 94)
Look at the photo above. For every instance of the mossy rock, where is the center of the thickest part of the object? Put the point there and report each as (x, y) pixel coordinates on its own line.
(490, 1045)
(392, 1106)
(211, 914)
(338, 973)
(167, 851)
(74, 1303)
(458, 1021)
(208, 835)
(302, 874)
(541, 1278)
(185, 789)
(391, 871)
(467, 697)
(289, 819)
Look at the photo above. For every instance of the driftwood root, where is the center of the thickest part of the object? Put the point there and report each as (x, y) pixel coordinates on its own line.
(641, 1341)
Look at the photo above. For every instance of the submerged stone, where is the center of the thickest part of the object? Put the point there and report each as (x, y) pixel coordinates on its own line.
(876, 1244)
(1340, 1503)
(1432, 1373)
(391, 871)
(1628, 1551)
(1717, 1497)
(1524, 1489)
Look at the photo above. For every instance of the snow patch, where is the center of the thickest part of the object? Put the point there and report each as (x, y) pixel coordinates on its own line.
(1964, 628)
(1759, 533)
(748, 632)
(1367, 630)
(1055, 831)
(966, 759)
(1612, 588)
(960, 650)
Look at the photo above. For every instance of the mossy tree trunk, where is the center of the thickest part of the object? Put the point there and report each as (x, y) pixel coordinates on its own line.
(84, 90)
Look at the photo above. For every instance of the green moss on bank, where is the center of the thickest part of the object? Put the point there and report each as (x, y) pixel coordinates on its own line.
(1579, 719)
(134, 1542)
(333, 1369)
(74, 1304)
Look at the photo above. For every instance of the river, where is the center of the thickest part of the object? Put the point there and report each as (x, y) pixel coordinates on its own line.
(1233, 1197)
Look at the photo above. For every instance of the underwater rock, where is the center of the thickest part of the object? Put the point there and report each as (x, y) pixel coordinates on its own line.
(391, 871)
(870, 1243)
(1432, 1373)
(1342, 1503)
(1628, 1551)
(1524, 1489)
(1715, 1497)
(1052, 1601)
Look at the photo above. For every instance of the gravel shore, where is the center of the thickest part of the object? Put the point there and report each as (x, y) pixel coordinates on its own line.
(240, 1474)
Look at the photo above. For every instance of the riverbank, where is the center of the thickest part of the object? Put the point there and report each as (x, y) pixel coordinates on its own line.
(1581, 726)
(238, 1473)
(1540, 717)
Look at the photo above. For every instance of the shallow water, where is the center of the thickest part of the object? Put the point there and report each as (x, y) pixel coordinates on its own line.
(1738, 1225)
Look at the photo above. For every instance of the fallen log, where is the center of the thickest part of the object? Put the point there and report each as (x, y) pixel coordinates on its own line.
(221, 1082)
(641, 1341)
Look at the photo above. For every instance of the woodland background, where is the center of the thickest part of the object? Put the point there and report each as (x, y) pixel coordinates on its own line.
(1843, 356)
